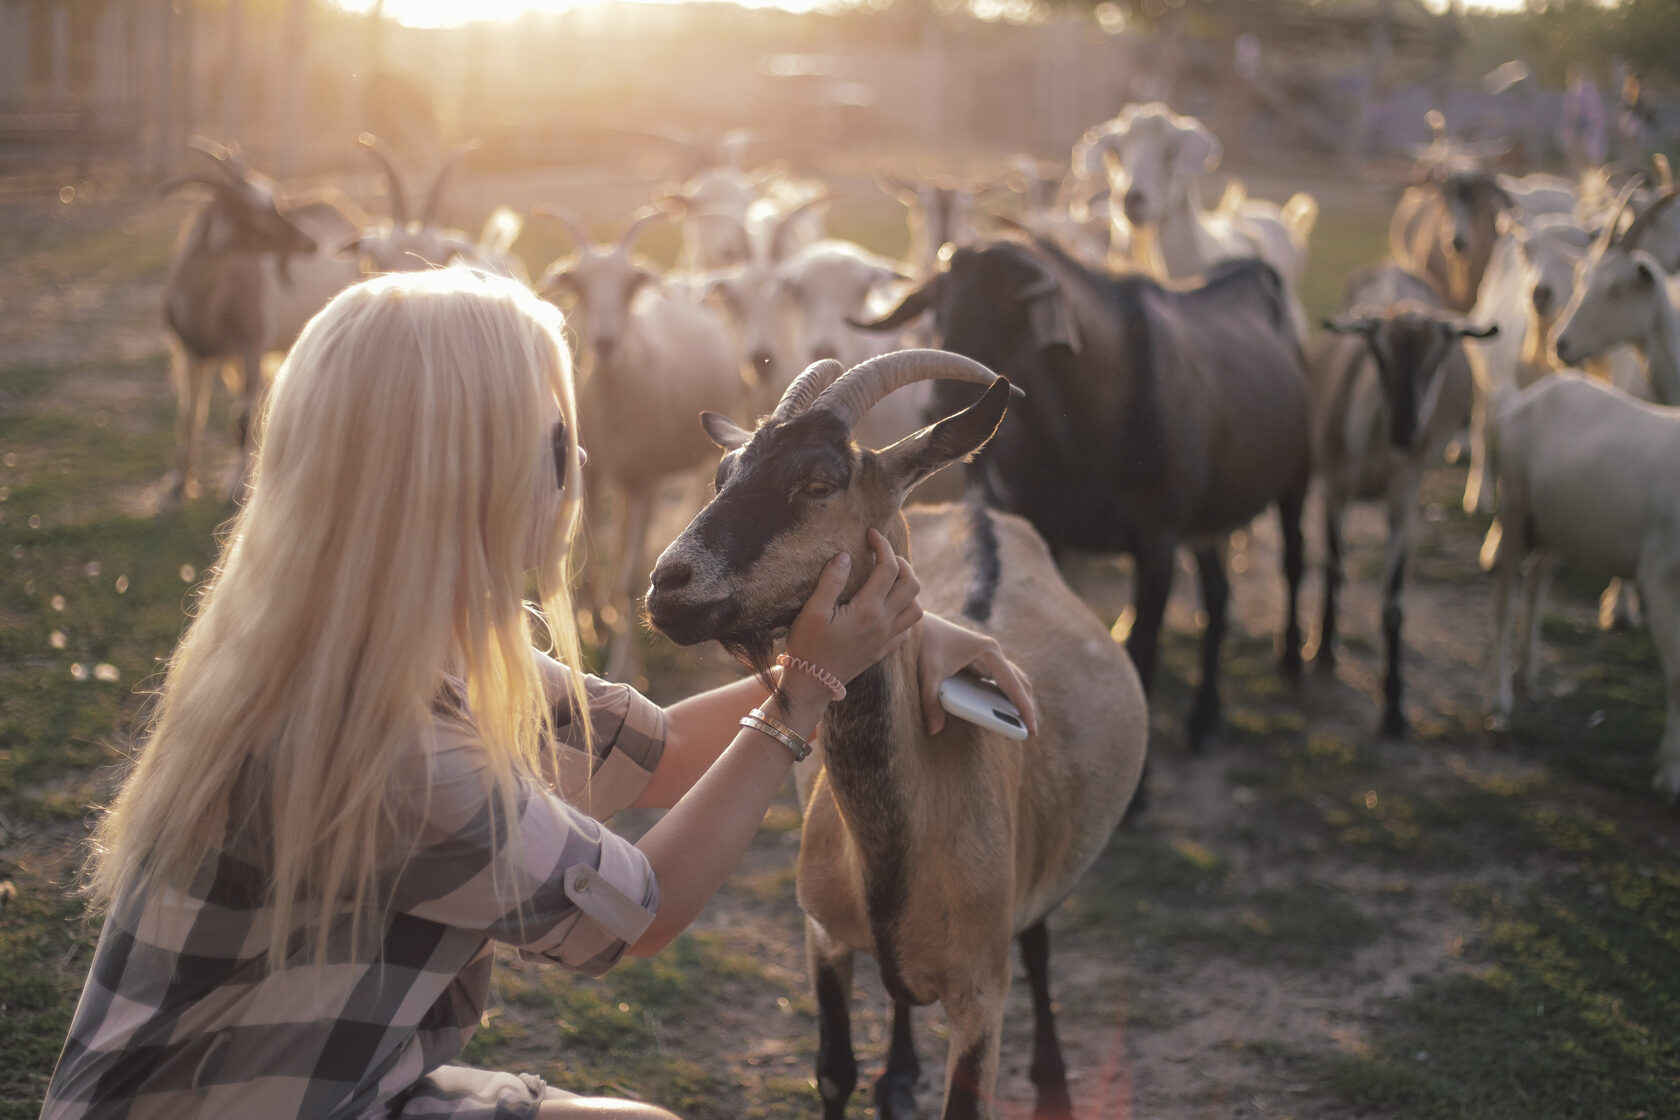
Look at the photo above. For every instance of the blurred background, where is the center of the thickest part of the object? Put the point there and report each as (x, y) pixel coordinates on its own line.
(121, 84)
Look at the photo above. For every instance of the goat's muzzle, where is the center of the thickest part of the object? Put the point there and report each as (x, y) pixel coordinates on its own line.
(1135, 206)
(677, 614)
(1544, 300)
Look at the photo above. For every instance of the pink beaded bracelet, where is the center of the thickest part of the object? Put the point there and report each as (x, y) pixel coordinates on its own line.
(823, 675)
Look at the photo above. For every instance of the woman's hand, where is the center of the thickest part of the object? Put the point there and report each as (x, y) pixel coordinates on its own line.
(948, 648)
(846, 640)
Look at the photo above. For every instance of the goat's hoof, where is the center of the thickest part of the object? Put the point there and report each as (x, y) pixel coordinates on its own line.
(1053, 1105)
(1394, 725)
(1204, 741)
(1324, 663)
(1498, 723)
(895, 1097)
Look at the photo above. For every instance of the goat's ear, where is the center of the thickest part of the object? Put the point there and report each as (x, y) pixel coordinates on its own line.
(1196, 150)
(1645, 274)
(723, 431)
(939, 445)
(916, 303)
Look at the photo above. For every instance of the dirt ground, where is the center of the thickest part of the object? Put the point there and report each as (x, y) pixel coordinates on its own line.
(1149, 1034)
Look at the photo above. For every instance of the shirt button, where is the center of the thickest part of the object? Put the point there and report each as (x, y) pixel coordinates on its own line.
(581, 883)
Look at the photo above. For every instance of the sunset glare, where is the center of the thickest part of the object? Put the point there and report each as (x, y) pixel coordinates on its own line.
(454, 13)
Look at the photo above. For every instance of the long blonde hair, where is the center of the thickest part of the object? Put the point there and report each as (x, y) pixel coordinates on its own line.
(403, 485)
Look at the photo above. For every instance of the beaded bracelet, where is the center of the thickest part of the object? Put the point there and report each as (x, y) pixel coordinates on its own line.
(817, 671)
(760, 720)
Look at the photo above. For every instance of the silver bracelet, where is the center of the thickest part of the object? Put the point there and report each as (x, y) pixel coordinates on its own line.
(760, 720)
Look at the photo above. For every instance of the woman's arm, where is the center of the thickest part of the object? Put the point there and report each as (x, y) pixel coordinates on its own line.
(696, 732)
(693, 848)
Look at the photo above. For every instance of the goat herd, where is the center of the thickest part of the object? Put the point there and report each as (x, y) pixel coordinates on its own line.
(1171, 395)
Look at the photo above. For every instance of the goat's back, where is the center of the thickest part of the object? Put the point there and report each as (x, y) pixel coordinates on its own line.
(992, 572)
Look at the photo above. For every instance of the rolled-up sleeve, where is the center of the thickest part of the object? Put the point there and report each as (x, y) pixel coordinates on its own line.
(557, 885)
(626, 740)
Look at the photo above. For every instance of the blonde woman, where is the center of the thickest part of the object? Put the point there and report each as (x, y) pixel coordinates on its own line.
(360, 774)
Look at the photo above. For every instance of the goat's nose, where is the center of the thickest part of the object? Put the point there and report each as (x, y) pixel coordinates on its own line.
(1459, 244)
(762, 360)
(605, 349)
(1563, 351)
(1133, 203)
(1543, 298)
(672, 575)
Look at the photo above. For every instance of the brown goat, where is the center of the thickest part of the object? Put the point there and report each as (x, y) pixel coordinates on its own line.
(929, 852)
(248, 272)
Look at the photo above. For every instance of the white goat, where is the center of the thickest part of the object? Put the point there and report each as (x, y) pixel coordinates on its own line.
(1624, 294)
(1155, 160)
(930, 852)
(1580, 477)
(249, 270)
(1387, 388)
(408, 243)
(1537, 194)
(940, 212)
(650, 361)
(826, 288)
(756, 209)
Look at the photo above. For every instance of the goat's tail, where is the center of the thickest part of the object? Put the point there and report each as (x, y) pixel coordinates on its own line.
(1300, 214)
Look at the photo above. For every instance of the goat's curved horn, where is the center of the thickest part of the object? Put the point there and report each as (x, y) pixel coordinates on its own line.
(780, 238)
(864, 385)
(225, 160)
(574, 224)
(644, 217)
(1630, 239)
(393, 180)
(1607, 236)
(816, 379)
(1664, 173)
(434, 192)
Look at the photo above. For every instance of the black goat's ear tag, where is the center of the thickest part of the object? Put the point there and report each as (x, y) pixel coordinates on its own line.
(958, 436)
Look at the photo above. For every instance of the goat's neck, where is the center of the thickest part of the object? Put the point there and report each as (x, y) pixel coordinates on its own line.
(1662, 348)
(1180, 245)
(865, 739)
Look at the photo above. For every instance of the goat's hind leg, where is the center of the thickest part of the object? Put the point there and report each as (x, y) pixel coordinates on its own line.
(895, 1089)
(831, 977)
(1049, 1071)
(1661, 590)
(1216, 597)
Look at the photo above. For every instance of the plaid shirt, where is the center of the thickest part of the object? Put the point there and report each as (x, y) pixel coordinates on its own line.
(181, 1018)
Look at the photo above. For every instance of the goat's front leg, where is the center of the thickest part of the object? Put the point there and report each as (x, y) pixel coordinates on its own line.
(192, 377)
(831, 978)
(1290, 506)
(895, 1089)
(975, 1016)
(1153, 586)
(1402, 502)
(1478, 486)
(624, 657)
(1538, 578)
(245, 420)
(1660, 588)
(1325, 656)
(1049, 1071)
(1216, 597)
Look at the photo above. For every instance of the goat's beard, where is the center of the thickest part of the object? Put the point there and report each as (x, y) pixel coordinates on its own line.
(755, 648)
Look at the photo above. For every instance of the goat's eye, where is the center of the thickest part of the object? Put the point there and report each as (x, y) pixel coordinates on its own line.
(819, 489)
